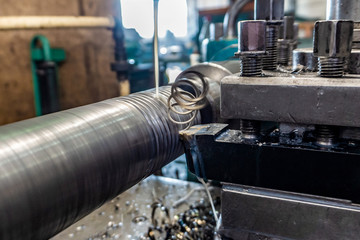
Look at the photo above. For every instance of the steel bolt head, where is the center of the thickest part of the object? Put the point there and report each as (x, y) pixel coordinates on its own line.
(251, 37)
(333, 38)
(270, 10)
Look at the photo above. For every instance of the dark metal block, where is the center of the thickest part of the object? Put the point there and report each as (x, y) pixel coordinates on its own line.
(254, 213)
(217, 153)
(305, 99)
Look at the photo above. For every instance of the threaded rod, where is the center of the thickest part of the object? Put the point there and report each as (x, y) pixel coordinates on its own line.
(285, 53)
(249, 129)
(331, 66)
(250, 65)
(270, 59)
(325, 135)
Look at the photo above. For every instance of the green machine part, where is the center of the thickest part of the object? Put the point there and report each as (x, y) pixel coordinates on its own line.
(47, 60)
(222, 49)
(219, 50)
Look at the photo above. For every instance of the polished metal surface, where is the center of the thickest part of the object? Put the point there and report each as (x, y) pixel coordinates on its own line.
(57, 168)
(343, 9)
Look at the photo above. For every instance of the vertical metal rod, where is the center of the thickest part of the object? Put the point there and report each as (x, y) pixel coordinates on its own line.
(343, 9)
(156, 48)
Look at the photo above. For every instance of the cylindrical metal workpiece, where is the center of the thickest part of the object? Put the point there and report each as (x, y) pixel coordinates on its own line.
(57, 168)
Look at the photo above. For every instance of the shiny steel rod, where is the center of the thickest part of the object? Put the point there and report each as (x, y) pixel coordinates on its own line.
(156, 47)
(57, 168)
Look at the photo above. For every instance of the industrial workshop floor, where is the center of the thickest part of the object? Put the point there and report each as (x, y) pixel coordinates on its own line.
(129, 216)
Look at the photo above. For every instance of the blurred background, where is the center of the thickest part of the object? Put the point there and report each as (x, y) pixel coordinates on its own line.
(49, 67)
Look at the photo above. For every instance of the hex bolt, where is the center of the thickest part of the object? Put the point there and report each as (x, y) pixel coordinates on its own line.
(273, 12)
(286, 42)
(332, 46)
(251, 46)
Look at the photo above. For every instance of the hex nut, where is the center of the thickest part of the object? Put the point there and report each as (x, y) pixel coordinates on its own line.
(333, 38)
(251, 37)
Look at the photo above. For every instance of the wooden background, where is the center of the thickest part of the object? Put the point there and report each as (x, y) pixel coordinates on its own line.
(85, 77)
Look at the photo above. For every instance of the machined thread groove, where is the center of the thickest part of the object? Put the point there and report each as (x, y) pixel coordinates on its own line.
(285, 53)
(249, 129)
(251, 65)
(325, 135)
(331, 66)
(270, 59)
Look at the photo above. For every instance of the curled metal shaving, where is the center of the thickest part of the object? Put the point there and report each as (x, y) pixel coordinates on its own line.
(191, 101)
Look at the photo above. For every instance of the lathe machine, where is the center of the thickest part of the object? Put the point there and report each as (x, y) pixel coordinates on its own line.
(279, 128)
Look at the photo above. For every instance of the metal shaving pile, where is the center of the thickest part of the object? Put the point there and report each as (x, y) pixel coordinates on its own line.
(197, 222)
